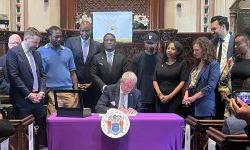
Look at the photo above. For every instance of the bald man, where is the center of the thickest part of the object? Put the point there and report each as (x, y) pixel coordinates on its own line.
(14, 40)
(84, 48)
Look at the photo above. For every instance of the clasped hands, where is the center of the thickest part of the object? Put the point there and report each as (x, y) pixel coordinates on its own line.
(187, 101)
(36, 97)
(165, 98)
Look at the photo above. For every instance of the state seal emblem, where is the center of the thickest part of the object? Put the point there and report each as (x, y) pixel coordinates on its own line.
(115, 123)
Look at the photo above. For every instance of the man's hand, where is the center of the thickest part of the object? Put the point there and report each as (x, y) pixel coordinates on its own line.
(128, 111)
(131, 111)
(84, 86)
(34, 97)
(41, 95)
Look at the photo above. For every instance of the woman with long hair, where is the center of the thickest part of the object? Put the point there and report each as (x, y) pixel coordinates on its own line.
(200, 93)
(169, 79)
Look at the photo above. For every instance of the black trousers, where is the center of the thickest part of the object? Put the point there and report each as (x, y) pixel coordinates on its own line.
(220, 106)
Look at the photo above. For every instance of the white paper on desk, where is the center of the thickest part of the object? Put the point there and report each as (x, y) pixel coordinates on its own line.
(101, 115)
(31, 136)
(211, 144)
(187, 137)
(5, 144)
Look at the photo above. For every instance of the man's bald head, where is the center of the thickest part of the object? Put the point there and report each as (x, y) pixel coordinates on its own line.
(85, 29)
(14, 40)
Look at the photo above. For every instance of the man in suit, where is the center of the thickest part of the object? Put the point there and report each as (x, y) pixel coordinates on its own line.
(27, 79)
(26, 75)
(109, 65)
(14, 40)
(123, 96)
(224, 44)
(84, 48)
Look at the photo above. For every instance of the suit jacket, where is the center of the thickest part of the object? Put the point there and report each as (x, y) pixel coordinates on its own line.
(232, 125)
(110, 99)
(101, 72)
(20, 75)
(4, 82)
(230, 45)
(82, 69)
(206, 83)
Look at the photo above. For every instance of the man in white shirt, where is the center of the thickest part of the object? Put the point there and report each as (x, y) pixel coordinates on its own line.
(224, 44)
(123, 96)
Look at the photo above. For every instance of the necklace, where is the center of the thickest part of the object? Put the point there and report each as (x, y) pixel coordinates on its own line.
(170, 63)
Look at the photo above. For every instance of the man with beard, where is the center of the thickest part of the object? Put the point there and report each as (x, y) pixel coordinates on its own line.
(224, 44)
(143, 65)
(84, 48)
(59, 66)
(109, 65)
(27, 79)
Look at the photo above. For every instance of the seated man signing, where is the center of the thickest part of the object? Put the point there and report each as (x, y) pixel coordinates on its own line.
(122, 95)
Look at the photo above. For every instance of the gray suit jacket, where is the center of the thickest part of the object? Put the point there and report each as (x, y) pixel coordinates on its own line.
(110, 99)
(232, 125)
(82, 69)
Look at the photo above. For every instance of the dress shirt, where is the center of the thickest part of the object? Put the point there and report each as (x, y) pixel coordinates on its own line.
(85, 48)
(123, 101)
(32, 64)
(110, 57)
(224, 51)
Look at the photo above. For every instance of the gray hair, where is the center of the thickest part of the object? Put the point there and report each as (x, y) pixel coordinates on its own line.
(129, 75)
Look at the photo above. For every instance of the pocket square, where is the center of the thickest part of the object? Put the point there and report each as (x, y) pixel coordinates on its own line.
(113, 103)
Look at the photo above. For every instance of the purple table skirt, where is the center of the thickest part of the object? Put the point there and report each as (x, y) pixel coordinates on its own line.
(147, 132)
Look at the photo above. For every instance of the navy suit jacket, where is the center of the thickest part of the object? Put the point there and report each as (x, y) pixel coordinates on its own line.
(82, 69)
(101, 72)
(20, 76)
(206, 83)
(110, 99)
(4, 82)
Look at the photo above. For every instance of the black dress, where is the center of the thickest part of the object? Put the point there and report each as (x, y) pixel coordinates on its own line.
(240, 72)
(168, 77)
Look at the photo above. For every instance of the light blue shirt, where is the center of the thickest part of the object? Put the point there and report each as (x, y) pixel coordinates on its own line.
(57, 64)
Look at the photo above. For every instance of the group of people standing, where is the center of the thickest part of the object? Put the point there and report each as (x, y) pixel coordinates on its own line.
(165, 81)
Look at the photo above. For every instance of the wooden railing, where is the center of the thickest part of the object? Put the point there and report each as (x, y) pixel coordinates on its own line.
(228, 142)
(199, 138)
